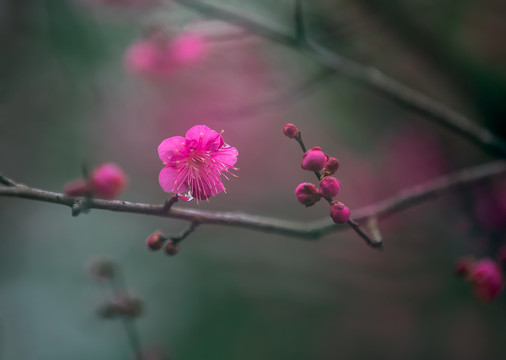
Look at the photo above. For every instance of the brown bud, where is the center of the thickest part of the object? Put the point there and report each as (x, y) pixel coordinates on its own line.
(171, 248)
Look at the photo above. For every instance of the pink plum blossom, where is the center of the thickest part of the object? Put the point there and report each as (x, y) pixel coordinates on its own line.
(107, 181)
(187, 48)
(161, 56)
(194, 163)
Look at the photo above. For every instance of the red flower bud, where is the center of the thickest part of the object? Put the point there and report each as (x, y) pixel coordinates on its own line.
(307, 194)
(339, 213)
(329, 186)
(314, 159)
(331, 166)
(291, 131)
(155, 241)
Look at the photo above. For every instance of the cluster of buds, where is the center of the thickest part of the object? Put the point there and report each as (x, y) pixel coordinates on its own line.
(157, 240)
(106, 181)
(323, 166)
(485, 275)
(122, 304)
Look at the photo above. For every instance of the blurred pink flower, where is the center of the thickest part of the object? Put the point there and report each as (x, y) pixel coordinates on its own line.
(159, 56)
(107, 181)
(195, 163)
(486, 278)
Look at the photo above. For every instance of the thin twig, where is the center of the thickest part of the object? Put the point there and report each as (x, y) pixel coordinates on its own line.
(118, 286)
(181, 236)
(371, 77)
(6, 181)
(300, 30)
(405, 199)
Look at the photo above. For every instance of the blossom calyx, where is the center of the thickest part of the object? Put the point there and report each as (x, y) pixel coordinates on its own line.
(307, 194)
(331, 166)
(486, 278)
(290, 131)
(329, 186)
(314, 159)
(339, 212)
(107, 181)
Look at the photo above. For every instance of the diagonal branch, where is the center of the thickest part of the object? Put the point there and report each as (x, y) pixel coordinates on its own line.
(371, 77)
(405, 199)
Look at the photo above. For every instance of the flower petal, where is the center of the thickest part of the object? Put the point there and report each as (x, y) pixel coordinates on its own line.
(167, 179)
(169, 147)
(206, 138)
(227, 155)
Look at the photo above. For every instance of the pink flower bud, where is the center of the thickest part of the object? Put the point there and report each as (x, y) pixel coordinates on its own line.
(486, 278)
(339, 213)
(171, 248)
(290, 130)
(155, 241)
(314, 159)
(307, 194)
(107, 181)
(463, 267)
(77, 187)
(331, 166)
(329, 186)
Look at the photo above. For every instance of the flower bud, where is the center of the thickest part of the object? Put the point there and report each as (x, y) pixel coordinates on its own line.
(463, 267)
(291, 131)
(77, 187)
(107, 181)
(102, 268)
(329, 186)
(307, 194)
(486, 278)
(331, 166)
(314, 159)
(155, 241)
(171, 248)
(130, 306)
(339, 213)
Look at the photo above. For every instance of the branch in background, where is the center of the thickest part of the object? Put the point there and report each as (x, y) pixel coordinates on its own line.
(371, 77)
(300, 30)
(301, 91)
(405, 199)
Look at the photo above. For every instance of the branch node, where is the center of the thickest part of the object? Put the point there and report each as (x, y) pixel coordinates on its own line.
(6, 181)
(80, 206)
(169, 202)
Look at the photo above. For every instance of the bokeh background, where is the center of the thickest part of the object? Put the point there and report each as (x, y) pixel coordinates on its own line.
(67, 99)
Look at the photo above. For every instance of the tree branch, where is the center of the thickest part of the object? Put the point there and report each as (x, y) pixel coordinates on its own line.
(371, 77)
(405, 199)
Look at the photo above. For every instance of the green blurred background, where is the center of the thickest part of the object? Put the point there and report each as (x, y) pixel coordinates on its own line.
(66, 98)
